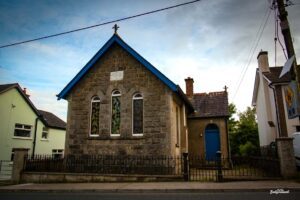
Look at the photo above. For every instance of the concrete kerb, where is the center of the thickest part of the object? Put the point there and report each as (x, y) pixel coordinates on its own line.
(177, 187)
(148, 191)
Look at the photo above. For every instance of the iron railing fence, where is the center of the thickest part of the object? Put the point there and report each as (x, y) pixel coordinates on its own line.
(193, 168)
(234, 168)
(252, 166)
(106, 164)
(269, 150)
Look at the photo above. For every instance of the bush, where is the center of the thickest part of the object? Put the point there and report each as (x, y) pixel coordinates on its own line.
(248, 149)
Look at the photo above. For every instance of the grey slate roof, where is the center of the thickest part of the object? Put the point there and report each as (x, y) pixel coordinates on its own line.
(52, 120)
(213, 104)
(273, 75)
(7, 86)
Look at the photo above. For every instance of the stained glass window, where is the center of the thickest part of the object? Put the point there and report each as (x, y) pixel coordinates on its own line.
(137, 114)
(95, 112)
(115, 112)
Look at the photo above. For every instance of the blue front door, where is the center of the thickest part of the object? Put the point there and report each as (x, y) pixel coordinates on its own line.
(212, 141)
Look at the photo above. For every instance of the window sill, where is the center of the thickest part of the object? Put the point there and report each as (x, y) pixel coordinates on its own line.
(138, 135)
(22, 138)
(115, 138)
(92, 136)
(115, 135)
(45, 140)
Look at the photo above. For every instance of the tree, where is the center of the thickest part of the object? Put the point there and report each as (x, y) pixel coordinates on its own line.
(232, 121)
(244, 133)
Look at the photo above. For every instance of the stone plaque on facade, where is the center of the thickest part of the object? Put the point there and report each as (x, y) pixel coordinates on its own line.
(116, 76)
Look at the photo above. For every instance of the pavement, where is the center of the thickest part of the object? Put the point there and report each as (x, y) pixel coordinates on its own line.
(156, 186)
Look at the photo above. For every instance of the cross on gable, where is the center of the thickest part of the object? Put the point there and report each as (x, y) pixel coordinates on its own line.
(116, 27)
(225, 88)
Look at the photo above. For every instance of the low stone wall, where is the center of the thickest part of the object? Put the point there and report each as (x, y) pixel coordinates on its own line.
(48, 177)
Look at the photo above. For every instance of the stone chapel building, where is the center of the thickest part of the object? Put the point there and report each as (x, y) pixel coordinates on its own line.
(120, 104)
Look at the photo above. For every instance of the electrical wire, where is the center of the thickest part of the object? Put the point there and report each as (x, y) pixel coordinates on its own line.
(253, 48)
(275, 35)
(96, 25)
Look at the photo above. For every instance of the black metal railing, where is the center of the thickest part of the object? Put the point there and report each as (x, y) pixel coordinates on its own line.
(269, 150)
(191, 168)
(106, 164)
(234, 168)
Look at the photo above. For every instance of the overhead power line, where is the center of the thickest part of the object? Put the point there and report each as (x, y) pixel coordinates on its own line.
(253, 48)
(96, 25)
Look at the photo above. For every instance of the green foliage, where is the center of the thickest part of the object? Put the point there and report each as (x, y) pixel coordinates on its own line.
(247, 149)
(243, 134)
(232, 122)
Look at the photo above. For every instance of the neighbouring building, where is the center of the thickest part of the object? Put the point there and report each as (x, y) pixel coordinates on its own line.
(120, 104)
(23, 126)
(208, 131)
(269, 101)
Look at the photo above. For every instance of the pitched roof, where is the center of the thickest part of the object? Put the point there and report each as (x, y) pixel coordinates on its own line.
(117, 39)
(6, 87)
(49, 119)
(213, 104)
(52, 120)
(273, 75)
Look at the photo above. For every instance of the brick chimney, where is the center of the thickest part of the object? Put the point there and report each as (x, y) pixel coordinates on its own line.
(263, 62)
(25, 92)
(189, 84)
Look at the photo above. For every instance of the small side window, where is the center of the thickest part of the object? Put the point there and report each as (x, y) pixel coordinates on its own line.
(95, 116)
(45, 133)
(137, 114)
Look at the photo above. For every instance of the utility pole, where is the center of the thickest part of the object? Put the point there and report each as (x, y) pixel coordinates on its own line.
(285, 148)
(285, 29)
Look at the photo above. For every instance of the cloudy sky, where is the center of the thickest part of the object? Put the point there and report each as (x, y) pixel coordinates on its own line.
(211, 41)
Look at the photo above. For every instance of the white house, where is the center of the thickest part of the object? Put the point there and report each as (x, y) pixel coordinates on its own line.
(23, 126)
(268, 98)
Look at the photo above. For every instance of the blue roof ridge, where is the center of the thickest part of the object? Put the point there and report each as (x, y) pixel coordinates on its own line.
(116, 38)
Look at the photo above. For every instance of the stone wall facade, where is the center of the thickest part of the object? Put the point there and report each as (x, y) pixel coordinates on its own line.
(157, 100)
(196, 137)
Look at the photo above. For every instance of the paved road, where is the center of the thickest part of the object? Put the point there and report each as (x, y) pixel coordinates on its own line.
(148, 196)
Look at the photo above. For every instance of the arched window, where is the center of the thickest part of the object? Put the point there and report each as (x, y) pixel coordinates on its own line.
(115, 112)
(95, 112)
(137, 114)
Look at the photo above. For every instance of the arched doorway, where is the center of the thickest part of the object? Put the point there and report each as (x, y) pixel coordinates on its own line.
(212, 141)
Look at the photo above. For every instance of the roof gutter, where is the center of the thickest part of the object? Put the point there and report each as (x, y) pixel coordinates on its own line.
(34, 138)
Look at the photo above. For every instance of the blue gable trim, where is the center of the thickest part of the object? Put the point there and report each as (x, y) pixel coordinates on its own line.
(107, 45)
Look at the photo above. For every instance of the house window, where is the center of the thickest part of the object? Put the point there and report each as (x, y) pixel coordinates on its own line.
(95, 112)
(45, 133)
(57, 153)
(22, 130)
(115, 112)
(137, 114)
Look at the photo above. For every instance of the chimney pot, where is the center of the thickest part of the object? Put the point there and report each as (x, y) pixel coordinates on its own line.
(263, 62)
(189, 83)
(25, 92)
